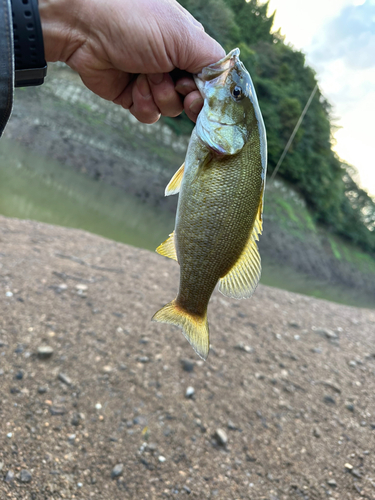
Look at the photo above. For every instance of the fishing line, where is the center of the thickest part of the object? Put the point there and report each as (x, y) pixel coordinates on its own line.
(294, 133)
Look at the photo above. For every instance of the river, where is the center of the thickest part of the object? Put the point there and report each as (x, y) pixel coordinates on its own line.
(33, 187)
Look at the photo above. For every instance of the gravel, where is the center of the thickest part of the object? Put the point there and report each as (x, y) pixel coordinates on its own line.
(261, 424)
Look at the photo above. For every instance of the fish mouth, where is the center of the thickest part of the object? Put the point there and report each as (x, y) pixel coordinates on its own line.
(216, 69)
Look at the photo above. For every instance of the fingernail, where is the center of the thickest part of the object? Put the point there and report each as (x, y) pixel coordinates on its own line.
(143, 86)
(196, 105)
(156, 78)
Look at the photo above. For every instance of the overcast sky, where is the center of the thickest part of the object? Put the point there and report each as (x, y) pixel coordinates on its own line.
(338, 38)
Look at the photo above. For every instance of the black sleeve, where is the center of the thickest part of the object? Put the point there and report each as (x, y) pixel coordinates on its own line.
(6, 63)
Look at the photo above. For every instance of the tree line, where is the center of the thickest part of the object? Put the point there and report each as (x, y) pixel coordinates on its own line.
(283, 82)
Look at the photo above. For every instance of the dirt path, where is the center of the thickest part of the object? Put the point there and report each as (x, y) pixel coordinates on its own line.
(289, 383)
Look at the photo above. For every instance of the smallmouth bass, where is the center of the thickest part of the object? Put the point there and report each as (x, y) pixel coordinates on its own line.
(219, 213)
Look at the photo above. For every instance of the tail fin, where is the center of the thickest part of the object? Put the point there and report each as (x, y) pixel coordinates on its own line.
(194, 328)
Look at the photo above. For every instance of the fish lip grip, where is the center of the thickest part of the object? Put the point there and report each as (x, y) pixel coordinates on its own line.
(30, 64)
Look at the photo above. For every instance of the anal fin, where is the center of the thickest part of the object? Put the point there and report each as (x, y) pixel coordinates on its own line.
(168, 248)
(243, 278)
(174, 184)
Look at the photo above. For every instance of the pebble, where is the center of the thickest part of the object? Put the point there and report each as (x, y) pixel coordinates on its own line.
(77, 419)
(190, 391)
(161, 458)
(45, 351)
(57, 410)
(329, 399)
(19, 375)
(187, 364)
(143, 359)
(316, 432)
(221, 437)
(325, 332)
(9, 435)
(65, 379)
(350, 407)
(352, 363)
(1, 466)
(117, 470)
(356, 473)
(42, 389)
(231, 425)
(9, 477)
(243, 347)
(332, 385)
(25, 476)
(98, 406)
(332, 483)
(348, 466)
(81, 287)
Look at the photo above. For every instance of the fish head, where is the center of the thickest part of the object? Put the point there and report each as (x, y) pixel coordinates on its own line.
(231, 111)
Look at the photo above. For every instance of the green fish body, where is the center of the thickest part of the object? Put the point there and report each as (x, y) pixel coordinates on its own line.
(219, 214)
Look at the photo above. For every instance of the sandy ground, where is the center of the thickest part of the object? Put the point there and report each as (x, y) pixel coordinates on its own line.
(284, 408)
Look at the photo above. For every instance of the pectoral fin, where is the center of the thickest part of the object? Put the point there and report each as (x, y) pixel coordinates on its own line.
(175, 183)
(168, 248)
(244, 276)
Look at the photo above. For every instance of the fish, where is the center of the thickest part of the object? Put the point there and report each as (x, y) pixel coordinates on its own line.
(221, 192)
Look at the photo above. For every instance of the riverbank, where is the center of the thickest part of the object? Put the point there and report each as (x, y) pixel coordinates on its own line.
(289, 382)
(61, 133)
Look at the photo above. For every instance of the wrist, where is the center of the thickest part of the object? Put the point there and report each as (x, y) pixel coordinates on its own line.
(61, 28)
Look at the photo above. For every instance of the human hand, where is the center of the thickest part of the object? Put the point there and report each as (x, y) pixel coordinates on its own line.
(125, 51)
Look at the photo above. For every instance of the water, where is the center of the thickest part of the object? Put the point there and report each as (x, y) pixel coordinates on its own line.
(33, 187)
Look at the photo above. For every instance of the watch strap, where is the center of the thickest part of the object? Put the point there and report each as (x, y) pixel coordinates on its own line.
(30, 64)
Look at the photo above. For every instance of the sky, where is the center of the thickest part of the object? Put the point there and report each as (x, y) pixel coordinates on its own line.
(338, 38)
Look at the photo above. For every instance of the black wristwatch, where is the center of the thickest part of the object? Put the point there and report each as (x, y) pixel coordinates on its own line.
(30, 64)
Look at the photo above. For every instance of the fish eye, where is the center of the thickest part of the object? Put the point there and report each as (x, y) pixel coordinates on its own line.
(237, 93)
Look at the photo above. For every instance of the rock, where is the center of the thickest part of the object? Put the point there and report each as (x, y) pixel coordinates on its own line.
(77, 419)
(352, 363)
(65, 379)
(316, 432)
(332, 385)
(350, 407)
(317, 350)
(25, 476)
(9, 476)
(332, 483)
(117, 471)
(19, 375)
(42, 389)
(45, 351)
(243, 347)
(143, 359)
(325, 332)
(81, 287)
(57, 410)
(329, 399)
(187, 489)
(231, 425)
(221, 437)
(187, 364)
(190, 391)
(356, 473)
(348, 466)
(161, 458)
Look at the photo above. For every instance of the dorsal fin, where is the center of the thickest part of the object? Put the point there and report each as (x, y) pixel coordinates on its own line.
(175, 183)
(243, 278)
(168, 248)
